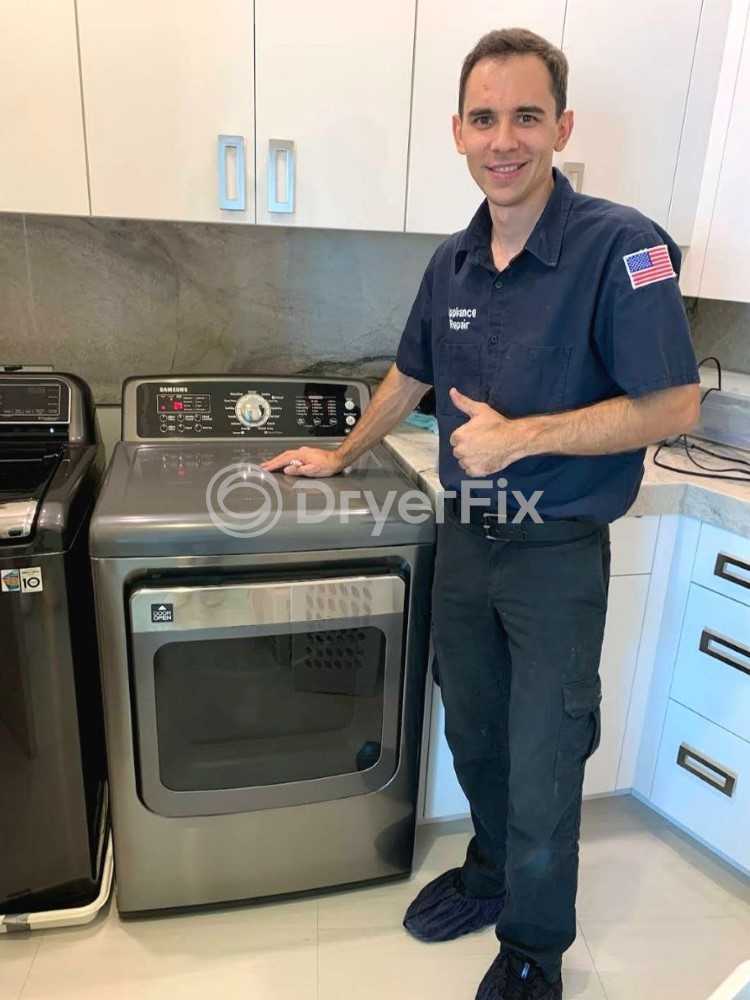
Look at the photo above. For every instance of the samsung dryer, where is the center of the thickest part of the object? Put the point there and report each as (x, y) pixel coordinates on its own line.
(263, 645)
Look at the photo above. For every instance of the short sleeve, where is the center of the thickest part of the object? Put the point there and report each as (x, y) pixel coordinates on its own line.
(414, 355)
(644, 336)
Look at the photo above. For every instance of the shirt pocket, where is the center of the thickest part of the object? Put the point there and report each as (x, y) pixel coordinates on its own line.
(530, 379)
(459, 366)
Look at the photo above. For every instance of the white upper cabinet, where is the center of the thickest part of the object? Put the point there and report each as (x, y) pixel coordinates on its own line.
(162, 83)
(630, 67)
(726, 270)
(442, 197)
(43, 161)
(333, 89)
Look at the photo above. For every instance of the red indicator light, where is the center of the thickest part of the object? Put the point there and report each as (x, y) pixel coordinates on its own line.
(178, 405)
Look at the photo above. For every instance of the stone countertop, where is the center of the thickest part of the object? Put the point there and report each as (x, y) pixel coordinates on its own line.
(716, 501)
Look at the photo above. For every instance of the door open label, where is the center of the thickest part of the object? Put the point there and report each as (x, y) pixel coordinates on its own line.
(162, 612)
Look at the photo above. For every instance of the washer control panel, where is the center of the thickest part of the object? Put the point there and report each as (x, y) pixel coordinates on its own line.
(234, 407)
(34, 399)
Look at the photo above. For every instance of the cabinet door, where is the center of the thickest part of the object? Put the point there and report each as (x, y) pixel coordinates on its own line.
(627, 603)
(162, 81)
(630, 70)
(43, 162)
(726, 272)
(333, 86)
(622, 634)
(442, 197)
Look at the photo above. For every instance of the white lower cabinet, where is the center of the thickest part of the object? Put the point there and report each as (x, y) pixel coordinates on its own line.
(701, 781)
(443, 794)
(722, 563)
(712, 673)
(627, 602)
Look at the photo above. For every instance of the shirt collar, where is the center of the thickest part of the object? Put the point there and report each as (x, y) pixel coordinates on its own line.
(545, 240)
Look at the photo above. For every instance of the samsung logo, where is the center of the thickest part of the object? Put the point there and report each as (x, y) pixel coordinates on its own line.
(173, 388)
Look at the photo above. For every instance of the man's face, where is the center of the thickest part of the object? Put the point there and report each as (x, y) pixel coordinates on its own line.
(509, 131)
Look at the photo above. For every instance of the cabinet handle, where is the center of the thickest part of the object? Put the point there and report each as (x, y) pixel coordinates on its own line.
(574, 173)
(237, 143)
(708, 642)
(717, 777)
(281, 149)
(724, 569)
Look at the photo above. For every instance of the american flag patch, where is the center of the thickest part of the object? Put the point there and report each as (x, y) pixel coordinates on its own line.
(647, 266)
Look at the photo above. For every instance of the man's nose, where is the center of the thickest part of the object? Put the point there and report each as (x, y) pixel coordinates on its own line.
(504, 136)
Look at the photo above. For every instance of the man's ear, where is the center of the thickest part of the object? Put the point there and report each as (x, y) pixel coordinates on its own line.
(564, 129)
(457, 135)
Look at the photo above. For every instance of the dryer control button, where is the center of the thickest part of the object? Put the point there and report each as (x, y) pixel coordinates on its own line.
(252, 409)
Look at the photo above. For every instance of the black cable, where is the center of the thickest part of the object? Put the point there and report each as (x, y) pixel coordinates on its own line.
(743, 474)
(716, 454)
(716, 388)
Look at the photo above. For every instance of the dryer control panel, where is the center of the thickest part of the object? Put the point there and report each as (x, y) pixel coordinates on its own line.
(170, 407)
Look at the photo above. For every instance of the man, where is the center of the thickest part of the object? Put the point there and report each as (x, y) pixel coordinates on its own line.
(553, 331)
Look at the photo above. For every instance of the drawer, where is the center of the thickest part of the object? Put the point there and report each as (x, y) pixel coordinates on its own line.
(702, 780)
(633, 542)
(722, 563)
(712, 673)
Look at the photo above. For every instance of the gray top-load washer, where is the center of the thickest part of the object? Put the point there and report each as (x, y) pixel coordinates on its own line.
(263, 641)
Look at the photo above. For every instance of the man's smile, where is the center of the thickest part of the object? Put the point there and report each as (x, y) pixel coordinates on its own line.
(509, 170)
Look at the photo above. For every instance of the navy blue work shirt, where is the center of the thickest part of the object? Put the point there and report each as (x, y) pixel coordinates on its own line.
(561, 327)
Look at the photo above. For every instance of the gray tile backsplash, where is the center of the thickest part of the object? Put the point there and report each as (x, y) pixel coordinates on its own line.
(107, 298)
(722, 329)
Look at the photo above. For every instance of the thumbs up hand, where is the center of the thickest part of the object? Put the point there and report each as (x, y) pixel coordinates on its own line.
(488, 441)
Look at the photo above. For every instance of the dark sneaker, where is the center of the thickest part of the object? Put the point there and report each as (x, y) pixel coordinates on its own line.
(514, 977)
(442, 910)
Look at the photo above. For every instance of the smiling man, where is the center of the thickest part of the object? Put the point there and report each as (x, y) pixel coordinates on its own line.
(553, 330)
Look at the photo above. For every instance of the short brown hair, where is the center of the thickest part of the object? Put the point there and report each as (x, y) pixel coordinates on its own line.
(518, 42)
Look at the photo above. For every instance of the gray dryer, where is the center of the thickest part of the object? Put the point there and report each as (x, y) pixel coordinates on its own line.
(263, 645)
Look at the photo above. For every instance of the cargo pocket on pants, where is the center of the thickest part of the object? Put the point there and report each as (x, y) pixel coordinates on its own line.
(580, 729)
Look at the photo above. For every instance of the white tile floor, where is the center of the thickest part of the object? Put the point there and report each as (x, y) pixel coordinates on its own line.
(660, 918)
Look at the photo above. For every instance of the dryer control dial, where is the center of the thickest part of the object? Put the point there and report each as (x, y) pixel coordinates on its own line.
(252, 409)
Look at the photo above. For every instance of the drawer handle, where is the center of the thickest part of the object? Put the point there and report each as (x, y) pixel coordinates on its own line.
(717, 777)
(734, 570)
(708, 643)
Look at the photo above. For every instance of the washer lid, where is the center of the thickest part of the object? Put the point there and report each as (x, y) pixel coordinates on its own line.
(212, 498)
(25, 473)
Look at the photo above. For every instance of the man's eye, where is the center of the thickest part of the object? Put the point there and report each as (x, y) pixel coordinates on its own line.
(527, 119)
(482, 120)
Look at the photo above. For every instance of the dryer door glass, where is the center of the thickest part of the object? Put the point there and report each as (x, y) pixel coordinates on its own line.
(258, 695)
(268, 709)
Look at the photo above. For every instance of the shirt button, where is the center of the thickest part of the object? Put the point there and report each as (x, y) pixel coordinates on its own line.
(493, 341)
(498, 283)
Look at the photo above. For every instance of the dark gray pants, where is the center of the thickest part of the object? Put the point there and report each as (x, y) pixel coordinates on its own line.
(517, 633)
